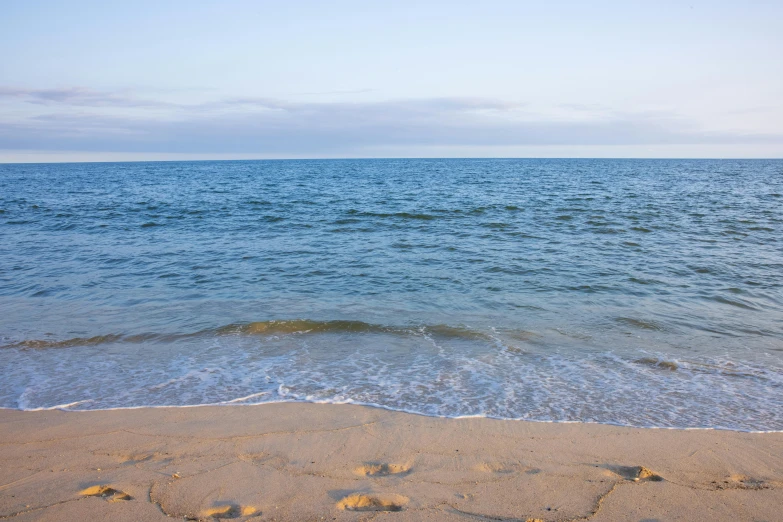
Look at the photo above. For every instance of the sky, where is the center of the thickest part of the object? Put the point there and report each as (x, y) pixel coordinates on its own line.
(147, 80)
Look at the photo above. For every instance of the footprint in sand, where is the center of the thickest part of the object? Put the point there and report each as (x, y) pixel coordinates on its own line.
(382, 469)
(108, 493)
(503, 468)
(127, 459)
(635, 473)
(226, 511)
(136, 459)
(740, 482)
(363, 502)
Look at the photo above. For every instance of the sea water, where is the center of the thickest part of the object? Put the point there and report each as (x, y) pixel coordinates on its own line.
(632, 292)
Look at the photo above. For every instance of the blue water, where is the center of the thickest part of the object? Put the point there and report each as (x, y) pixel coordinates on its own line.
(634, 292)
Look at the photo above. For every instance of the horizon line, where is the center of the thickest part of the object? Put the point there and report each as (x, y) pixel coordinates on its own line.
(398, 158)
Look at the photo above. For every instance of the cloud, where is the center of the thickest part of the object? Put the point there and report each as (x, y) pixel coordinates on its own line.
(77, 122)
(76, 96)
(355, 91)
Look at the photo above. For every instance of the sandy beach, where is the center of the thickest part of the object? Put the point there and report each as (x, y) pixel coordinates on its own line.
(345, 462)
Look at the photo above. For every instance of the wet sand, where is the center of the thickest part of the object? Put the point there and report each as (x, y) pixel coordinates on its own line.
(344, 462)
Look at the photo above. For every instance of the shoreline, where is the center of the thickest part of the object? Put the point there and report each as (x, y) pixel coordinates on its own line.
(305, 461)
(235, 402)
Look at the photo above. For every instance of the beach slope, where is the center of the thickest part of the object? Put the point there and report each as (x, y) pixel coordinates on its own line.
(344, 462)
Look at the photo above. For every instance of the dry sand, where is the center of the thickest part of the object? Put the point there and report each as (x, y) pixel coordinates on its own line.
(341, 462)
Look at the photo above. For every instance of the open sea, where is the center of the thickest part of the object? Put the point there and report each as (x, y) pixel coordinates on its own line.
(631, 292)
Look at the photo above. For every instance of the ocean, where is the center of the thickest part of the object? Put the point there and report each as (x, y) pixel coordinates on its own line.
(632, 292)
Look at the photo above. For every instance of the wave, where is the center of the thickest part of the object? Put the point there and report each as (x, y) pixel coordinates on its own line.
(274, 328)
(643, 324)
(38, 344)
(397, 215)
(308, 326)
(658, 363)
(430, 369)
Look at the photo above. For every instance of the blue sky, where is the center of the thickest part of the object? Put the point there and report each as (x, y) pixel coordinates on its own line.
(253, 79)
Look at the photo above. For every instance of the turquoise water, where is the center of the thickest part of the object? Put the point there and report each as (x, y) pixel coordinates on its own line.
(634, 292)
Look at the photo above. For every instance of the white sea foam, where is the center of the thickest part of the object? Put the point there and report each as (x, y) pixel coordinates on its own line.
(493, 377)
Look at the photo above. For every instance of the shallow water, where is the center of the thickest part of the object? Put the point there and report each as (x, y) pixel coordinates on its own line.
(635, 292)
